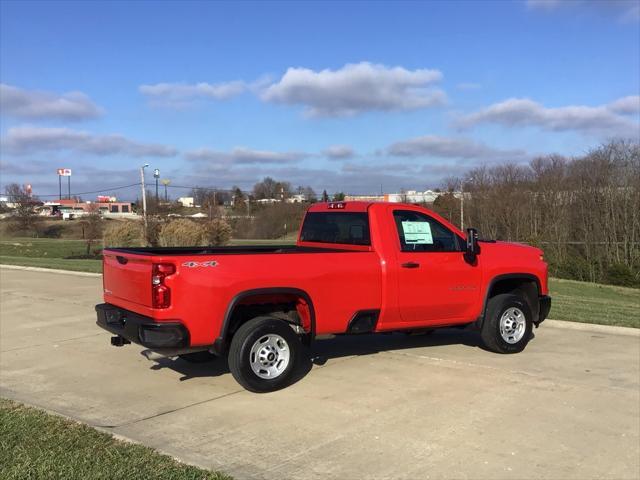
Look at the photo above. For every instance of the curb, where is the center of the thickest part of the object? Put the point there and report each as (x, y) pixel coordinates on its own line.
(564, 324)
(49, 270)
(592, 327)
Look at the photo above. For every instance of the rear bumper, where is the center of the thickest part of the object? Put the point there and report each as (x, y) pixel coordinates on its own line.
(545, 306)
(141, 329)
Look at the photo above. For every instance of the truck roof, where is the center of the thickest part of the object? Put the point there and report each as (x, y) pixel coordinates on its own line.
(341, 206)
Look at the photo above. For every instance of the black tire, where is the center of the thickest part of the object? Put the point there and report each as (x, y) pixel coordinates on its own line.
(198, 357)
(490, 332)
(240, 352)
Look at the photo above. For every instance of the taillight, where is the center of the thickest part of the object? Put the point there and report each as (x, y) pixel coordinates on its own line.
(161, 294)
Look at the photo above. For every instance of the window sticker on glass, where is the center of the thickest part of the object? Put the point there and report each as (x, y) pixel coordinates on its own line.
(417, 233)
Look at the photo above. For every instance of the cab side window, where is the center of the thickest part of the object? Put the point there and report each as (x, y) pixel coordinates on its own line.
(420, 233)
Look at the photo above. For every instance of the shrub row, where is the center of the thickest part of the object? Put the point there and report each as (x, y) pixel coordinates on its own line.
(180, 232)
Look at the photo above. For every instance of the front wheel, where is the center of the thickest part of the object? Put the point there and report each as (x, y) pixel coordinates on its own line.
(508, 324)
(263, 354)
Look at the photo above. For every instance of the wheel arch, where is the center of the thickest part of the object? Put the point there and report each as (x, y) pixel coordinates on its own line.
(527, 284)
(257, 297)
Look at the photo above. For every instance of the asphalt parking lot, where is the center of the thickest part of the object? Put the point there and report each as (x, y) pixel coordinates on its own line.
(386, 406)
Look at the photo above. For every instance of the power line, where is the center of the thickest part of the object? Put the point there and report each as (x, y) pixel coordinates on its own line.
(183, 187)
(84, 193)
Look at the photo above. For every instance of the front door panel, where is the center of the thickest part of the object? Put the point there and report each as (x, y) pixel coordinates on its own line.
(435, 283)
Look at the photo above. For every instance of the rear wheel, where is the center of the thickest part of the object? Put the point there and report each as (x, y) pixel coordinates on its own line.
(263, 354)
(508, 324)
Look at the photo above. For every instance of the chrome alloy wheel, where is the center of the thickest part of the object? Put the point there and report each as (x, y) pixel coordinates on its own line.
(512, 325)
(269, 356)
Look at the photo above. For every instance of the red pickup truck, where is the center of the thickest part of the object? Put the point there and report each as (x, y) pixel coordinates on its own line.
(357, 267)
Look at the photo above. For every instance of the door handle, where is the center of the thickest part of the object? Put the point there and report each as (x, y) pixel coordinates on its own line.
(410, 265)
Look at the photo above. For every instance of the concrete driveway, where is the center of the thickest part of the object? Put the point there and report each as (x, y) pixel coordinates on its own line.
(385, 406)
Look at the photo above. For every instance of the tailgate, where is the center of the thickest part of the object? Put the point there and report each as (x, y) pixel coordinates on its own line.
(127, 276)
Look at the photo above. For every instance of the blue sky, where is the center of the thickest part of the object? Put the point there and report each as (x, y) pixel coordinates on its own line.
(340, 96)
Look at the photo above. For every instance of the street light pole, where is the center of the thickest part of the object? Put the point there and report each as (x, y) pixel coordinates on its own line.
(462, 206)
(144, 197)
(156, 175)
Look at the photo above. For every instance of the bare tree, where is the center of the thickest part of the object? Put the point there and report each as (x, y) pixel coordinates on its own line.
(584, 212)
(92, 227)
(270, 188)
(25, 219)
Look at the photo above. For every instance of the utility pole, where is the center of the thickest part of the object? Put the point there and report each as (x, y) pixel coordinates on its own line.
(166, 182)
(156, 175)
(144, 198)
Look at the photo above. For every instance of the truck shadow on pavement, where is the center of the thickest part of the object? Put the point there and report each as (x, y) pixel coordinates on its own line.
(324, 350)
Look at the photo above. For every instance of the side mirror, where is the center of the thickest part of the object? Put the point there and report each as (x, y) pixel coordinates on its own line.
(472, 248)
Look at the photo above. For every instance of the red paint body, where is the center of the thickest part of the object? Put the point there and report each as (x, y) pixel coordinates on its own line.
(340, 281)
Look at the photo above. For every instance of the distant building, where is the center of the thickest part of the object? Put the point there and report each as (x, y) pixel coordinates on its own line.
(4, 200)
(410, 196)
(69, 209)
(297, 198)
(186, 201)
(364, 198)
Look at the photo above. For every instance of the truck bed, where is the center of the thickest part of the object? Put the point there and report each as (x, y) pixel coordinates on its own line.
(230, 250)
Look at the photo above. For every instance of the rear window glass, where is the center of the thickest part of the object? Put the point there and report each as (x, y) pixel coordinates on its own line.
(336, 227)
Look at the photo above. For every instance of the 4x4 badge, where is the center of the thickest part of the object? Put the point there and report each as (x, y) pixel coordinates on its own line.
(211, 263)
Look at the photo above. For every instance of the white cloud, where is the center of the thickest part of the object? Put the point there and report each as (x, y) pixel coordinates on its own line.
(339, 152)
(37, 105)
(456, 148)
(626, 105)
(28, 139)
(245, 156)
(347, 179)
(356, 88)
(177, 94)
(523, 112)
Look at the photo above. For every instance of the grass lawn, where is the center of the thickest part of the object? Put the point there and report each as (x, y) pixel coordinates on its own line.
(94, 266)
(572, 301)
(43, 247)
(35, 444)
(47, 253)
(594, 303)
